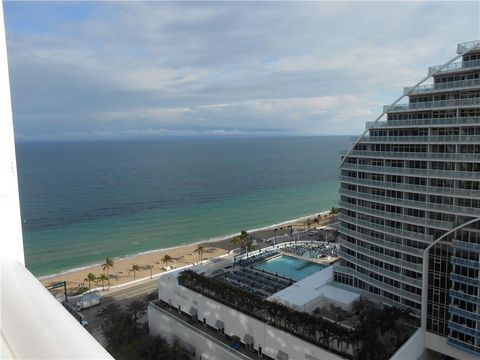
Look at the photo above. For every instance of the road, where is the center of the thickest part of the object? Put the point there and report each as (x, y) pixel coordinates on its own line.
(122, 297)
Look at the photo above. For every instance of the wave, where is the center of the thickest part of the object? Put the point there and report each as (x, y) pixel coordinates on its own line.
(203, 241)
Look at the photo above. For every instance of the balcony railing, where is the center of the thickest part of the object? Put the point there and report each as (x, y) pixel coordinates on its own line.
(461, 47)
(463, 345)
(443, 174)
(465, 279)
(452, 85)
(379, 270)
(459, 157)
(472, 264)
(386, 229)
(425, 122)
(464, 329)
(389, 245)
(414, 188)
(433, 104)
(388, 259)
(437, 224)
(466, 297)
(424, 205)
(458, 66)
(376, 283)
(463, 245)
(464, 313)
(421, 139)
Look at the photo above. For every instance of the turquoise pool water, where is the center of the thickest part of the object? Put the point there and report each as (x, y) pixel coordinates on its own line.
(290, 267)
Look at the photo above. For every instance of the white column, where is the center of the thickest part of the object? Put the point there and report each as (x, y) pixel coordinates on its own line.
(11, 243)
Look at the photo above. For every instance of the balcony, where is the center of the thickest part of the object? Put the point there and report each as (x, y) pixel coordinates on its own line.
(376, 283)
(373, 254)
(463, 245)
(454, 121)
(472, 264)
(464, 329)
(389, 245)
(413, 188)
(461, 47)
(386, 229)
(465, 297)
(443, 174)
(466, 314)
(458, 157)
(454, 67)
(428, 105)
(379, 270)
(464, 279)
(437, 224)
(424, 205)
(464, 346)
(439, 87)
(421, 139)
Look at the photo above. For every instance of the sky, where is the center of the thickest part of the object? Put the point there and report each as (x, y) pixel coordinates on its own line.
(108, 70)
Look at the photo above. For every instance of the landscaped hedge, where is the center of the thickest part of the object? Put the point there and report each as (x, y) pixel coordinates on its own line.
(378, 334)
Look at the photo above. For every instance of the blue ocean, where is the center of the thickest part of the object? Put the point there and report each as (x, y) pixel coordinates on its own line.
(83, 201)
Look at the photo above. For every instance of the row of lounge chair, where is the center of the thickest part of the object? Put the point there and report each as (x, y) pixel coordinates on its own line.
(313, 251)
(257, 257)
(254, 281)
(268, 277)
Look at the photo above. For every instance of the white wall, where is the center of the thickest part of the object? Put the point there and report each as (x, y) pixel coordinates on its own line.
(414, 348)
(439, 344)
(237, 323)
(167, 327)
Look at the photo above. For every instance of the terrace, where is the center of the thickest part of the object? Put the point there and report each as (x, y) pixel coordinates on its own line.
(312, 250)
(259, 283)
(232, 346)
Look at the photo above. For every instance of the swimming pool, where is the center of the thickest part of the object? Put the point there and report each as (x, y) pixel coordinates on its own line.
(290, 267)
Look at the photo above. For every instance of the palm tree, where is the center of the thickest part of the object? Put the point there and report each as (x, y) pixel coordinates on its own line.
(150, 267)
(106, 266)
(166, 259)
(200, 250)
(137, 307)
(90, 277)
(102, 278)
(134, 269)
(333, 212)
(249, 246)
(241, 239)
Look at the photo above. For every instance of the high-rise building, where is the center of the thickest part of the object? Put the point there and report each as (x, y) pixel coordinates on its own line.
(410, 205)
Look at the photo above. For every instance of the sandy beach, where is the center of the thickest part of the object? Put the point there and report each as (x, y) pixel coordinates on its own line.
(151, 263)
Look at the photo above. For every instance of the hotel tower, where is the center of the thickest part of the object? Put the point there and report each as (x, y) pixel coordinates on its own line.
(410, 206)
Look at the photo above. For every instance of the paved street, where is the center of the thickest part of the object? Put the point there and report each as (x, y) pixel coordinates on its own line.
(122, 297)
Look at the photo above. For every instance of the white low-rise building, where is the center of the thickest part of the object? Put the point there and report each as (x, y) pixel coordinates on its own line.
(315, 292)
(208, 325)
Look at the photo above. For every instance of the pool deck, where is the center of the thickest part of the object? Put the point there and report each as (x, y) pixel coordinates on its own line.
(325, 262)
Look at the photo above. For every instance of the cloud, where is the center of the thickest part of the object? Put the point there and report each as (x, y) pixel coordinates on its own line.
(132, 69)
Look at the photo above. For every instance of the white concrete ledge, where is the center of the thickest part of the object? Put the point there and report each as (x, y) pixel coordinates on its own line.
(35, 325)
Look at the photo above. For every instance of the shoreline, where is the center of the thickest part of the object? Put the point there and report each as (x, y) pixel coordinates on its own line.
(211, 240)
(151, 262)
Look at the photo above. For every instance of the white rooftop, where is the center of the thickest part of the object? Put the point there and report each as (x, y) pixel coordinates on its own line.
(313, 291)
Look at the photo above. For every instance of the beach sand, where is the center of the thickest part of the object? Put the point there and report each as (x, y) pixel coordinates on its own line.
(181, 256)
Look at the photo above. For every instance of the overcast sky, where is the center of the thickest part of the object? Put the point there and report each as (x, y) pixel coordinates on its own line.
(115, 70)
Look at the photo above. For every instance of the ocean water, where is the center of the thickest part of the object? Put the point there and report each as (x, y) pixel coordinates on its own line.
(83, 201)
(290, 267)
